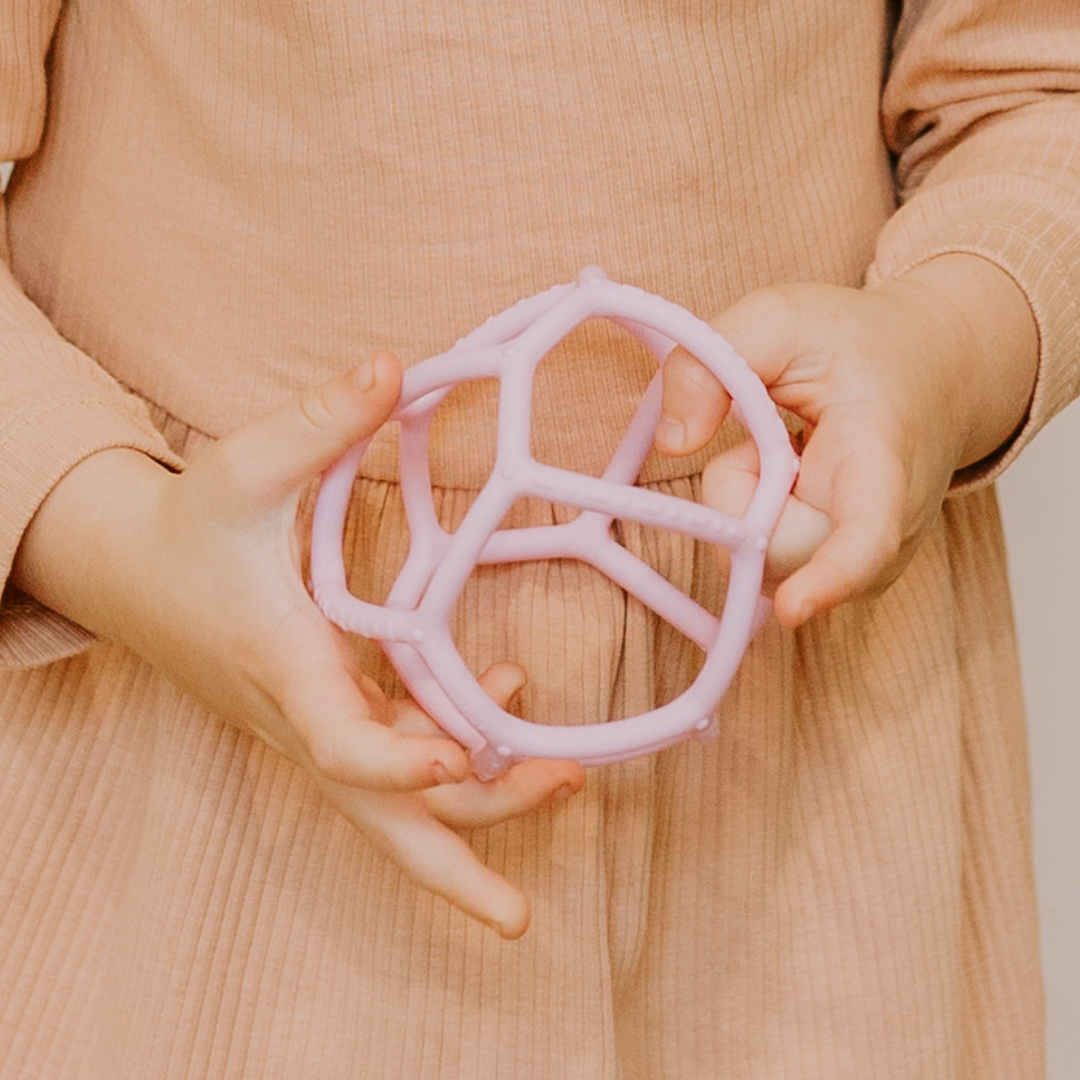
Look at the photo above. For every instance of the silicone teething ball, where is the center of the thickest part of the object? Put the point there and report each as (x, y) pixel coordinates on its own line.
(413, 624)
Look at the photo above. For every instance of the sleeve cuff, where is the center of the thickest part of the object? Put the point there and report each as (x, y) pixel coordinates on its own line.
(52, 435)
(1016, 223)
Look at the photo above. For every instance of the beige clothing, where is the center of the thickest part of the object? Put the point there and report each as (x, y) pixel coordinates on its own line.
(217, 205)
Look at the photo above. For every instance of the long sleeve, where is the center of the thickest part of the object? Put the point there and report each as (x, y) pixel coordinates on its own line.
(56, 405)
(982, 111)
(228, 202)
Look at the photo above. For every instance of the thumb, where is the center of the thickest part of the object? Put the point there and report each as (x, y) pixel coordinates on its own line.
(761, 327)
(693, 407)
(275, 456)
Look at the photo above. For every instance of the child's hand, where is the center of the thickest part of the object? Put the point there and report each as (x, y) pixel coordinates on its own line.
(415, 827)
(199, 573)
(896, 387)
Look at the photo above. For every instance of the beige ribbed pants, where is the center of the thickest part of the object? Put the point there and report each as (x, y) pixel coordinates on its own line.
(837, 887)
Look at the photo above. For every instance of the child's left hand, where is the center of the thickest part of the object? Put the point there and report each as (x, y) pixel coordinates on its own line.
(896, 387)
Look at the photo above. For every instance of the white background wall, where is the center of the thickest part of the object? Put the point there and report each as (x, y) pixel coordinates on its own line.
(1040, 498)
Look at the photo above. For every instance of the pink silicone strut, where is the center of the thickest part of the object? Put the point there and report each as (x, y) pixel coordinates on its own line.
(414, 624)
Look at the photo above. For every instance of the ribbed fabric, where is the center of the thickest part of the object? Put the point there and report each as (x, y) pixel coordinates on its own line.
(215, 206)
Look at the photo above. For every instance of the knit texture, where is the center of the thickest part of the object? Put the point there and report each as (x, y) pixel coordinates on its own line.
(215, 206)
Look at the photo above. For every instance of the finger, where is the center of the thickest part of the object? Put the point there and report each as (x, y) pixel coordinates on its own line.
(443, 862)
(530, 785)
(501, 681)
(342, 721)
(693, 407)
(863, 551)
(526, 787)
(728, 484)
(800, 532)
(768, 329)
(278, 454)
(436, 858)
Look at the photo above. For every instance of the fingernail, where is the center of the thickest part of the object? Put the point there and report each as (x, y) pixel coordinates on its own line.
(564, 792)
(365, 375)
(670, 433)
(441, 774)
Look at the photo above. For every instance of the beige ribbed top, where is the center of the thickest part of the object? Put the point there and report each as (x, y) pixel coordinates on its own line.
(223, 209)
(215, 205)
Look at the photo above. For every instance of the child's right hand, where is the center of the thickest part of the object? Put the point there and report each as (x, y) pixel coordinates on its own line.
(199, 573)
